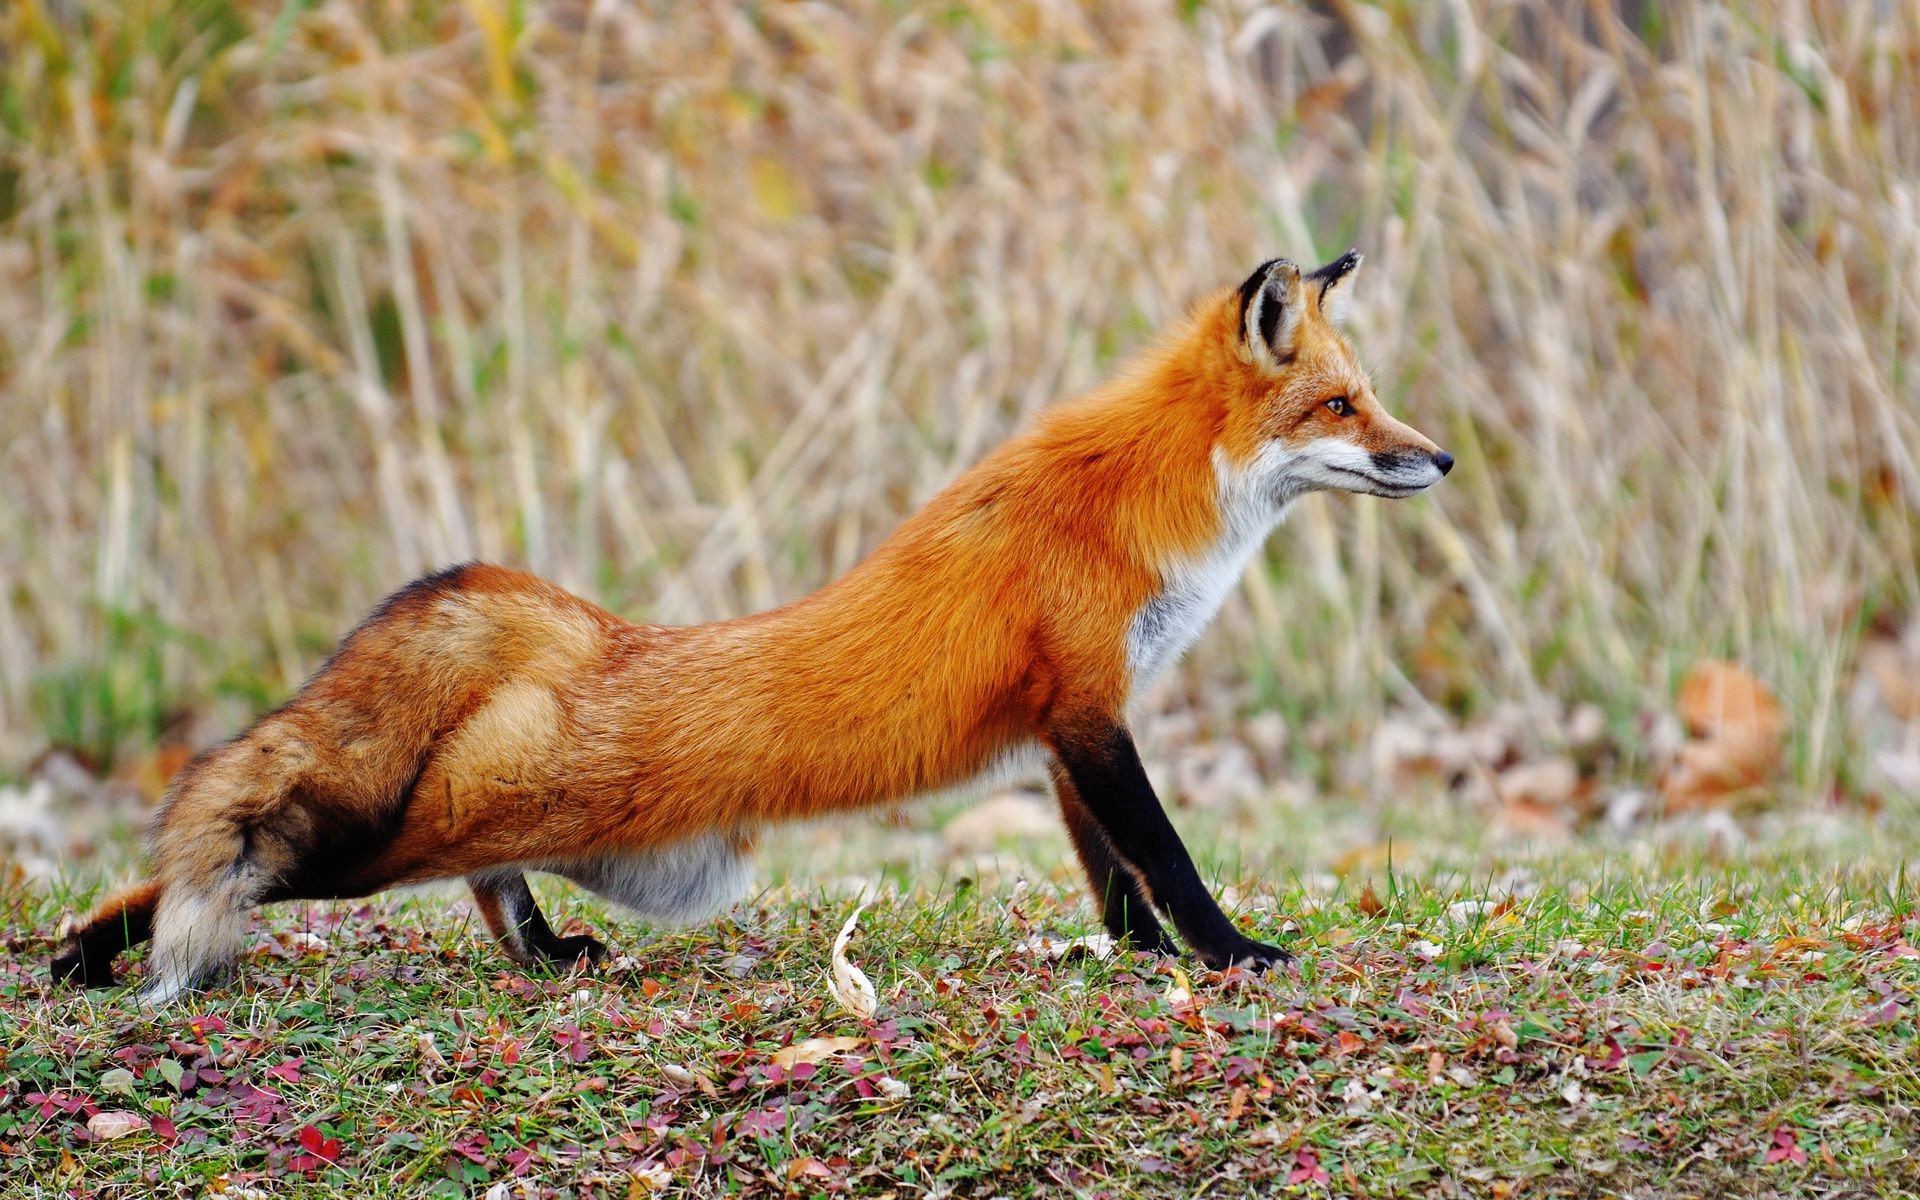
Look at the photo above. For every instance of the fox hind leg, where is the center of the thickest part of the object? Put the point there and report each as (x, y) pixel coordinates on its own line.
(516, 922)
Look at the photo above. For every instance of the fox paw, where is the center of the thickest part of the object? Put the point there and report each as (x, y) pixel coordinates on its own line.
(1246, 953)
(567, 951)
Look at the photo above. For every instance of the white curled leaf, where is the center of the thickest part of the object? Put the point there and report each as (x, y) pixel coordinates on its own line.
(849, 985)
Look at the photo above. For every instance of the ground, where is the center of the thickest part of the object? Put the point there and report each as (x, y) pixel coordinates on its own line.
(1624, 1021)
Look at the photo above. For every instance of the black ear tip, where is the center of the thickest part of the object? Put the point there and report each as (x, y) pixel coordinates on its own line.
(1338, 269)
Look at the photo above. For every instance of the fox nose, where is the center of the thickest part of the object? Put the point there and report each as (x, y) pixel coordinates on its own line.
(1444, 461)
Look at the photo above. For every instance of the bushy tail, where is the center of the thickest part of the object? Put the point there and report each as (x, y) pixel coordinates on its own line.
(121, 920)
(217, 850)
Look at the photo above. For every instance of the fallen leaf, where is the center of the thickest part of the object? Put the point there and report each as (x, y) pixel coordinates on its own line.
(1237, 1104)
(1718, 697)
(646, 1178)
(318, 1144)
(1898, 678)
(111, 1124)
(1369, 903)
(1009, 817)
(1738, 729)
(815, 1051)
(677, 1073)
(1099, 945)
(1181, 993)
(1547, 783)
(849, 985)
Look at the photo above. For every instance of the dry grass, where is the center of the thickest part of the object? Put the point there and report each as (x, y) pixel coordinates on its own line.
(686, 306)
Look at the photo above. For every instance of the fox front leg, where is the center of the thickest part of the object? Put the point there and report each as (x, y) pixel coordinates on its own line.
(1125, 907)
(1100, 761)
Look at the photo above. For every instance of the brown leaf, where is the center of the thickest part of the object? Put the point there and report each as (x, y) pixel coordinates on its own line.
(1369, 902)
(1237, 1104)
(112, 1124)
(1546, 783)
(1529, 820)
(1719, 698)
(1898, 678)
(815, 1051)
(1738, 727)
(1008, 817)
(848, 984)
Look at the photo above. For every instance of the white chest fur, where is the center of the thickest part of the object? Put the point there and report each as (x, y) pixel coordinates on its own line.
(1193, 587)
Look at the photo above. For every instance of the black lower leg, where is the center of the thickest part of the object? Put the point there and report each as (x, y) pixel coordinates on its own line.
(1125, 908)
(1099, 759)
(526, 926)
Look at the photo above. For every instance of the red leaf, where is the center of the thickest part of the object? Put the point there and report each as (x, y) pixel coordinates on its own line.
(288, 1071)
(1307, 1168)
(319, 1145)
(1785, 1148)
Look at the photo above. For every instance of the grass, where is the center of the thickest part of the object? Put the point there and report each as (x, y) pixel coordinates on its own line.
(686, 306)
(1576, 1025)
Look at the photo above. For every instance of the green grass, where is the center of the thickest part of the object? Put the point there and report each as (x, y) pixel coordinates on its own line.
(1572, 1027)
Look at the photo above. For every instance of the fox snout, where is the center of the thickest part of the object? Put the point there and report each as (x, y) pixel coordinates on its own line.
(1395, 463)
(1398, 473)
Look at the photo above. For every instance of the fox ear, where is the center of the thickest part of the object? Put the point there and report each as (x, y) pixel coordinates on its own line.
(1270, 307)
(1331, 286)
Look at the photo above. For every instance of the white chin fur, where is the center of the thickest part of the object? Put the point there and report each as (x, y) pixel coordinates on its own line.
(1325, 464)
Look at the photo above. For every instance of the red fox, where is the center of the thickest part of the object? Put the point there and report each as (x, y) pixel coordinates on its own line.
(481, 722)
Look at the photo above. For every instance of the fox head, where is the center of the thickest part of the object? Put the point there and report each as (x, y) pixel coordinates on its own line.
(1301, 415)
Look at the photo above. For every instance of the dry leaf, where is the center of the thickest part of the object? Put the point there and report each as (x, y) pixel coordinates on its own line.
(1374, 854)
(1527, 820)
(1717, 698)
(815, 1051)
(1369, 904)
(1010, 816)
(1897, 676)
(1181, 993)
(1053, 949)
(646, 1179)
(1738, 728)
(849, 985)
(112, 1124)
(1547, 783)
(1237, 1104)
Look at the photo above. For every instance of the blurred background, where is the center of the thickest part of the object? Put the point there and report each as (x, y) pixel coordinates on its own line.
(686, 305)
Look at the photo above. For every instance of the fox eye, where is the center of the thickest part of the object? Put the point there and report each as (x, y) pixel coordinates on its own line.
(1339, 406)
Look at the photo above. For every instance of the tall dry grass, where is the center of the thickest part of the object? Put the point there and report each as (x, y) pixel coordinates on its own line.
(686, 305)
